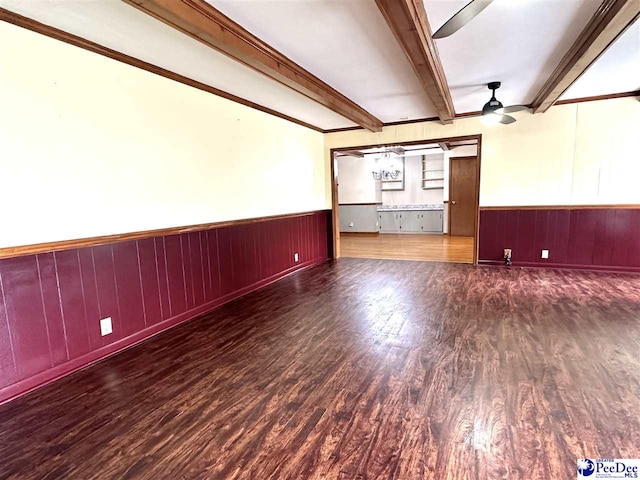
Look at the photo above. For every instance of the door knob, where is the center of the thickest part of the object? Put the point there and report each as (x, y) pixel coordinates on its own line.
(453, 202)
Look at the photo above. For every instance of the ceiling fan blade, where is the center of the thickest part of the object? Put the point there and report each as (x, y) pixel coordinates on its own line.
(460, 19)
(507, 119)
(512, 109)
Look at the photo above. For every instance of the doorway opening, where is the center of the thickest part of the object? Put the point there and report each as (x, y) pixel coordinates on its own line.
(407, 200)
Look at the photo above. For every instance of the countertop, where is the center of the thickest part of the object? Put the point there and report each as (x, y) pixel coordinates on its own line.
(404, 208)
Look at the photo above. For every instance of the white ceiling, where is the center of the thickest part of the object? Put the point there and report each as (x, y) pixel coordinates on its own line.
(347, 44)
(116, 25)
(516, 42)
(616, 71)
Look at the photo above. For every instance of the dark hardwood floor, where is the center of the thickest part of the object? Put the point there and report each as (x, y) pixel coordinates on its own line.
(357, 369)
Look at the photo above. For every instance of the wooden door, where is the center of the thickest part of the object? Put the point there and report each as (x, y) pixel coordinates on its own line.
(463, 196)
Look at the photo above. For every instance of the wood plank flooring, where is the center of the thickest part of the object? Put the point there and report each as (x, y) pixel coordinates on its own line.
(432, 248)
(357, 369)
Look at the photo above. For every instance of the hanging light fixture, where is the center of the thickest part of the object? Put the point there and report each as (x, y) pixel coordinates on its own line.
(389, 173)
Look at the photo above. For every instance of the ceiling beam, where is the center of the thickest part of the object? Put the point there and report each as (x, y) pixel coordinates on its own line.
(201, 21)
(351, 153)
(408, 22)
(462, 143)
(611, 19)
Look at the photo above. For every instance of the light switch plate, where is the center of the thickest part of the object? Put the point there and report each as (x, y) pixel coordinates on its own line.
(545, 253)
(105, 326)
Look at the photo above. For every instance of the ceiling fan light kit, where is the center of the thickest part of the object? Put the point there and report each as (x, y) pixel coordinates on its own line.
(494, 112)
(490, 120)
(493, 104)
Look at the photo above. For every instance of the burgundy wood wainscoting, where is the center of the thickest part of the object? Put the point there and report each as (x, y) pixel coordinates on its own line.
(587, 237)
(51, 302)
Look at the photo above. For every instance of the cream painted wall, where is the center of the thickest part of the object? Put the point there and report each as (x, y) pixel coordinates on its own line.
(91, 146)
(584, 153)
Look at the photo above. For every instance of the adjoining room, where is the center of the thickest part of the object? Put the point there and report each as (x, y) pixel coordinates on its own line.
(415, 201)
(358, 239)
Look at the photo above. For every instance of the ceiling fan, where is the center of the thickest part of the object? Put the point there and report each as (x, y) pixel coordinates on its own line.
(460, 19)
(494, 107)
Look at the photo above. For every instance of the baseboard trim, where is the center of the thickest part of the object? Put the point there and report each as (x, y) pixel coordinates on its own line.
(23, 387)
(359, 234)
(564, 266)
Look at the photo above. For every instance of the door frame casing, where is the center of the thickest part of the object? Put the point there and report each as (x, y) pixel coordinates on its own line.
(334, 183)
(476, 198)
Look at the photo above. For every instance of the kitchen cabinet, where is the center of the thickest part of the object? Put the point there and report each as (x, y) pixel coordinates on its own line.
(359, 218)
(410, 221)
(390, 221)
(431, 221)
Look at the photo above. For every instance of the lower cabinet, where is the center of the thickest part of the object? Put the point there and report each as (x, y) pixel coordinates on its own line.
(431, 221)
(411, 221)
(358, 218)
(390, 221)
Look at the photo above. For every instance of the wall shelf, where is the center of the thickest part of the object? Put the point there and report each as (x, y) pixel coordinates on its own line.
(432, 174)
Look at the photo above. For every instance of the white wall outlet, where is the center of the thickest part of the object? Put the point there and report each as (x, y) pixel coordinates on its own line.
(105, 326)
(545, 253)
(295, 257)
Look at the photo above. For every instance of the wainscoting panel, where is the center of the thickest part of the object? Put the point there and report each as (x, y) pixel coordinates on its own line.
(51, 303)
(590, 238)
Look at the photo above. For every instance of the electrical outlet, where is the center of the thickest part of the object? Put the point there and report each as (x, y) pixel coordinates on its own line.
(105, 326)
(545, 253)
(295, 257)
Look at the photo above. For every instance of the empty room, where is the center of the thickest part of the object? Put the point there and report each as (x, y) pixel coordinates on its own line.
(320, 239)
(409, 202)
